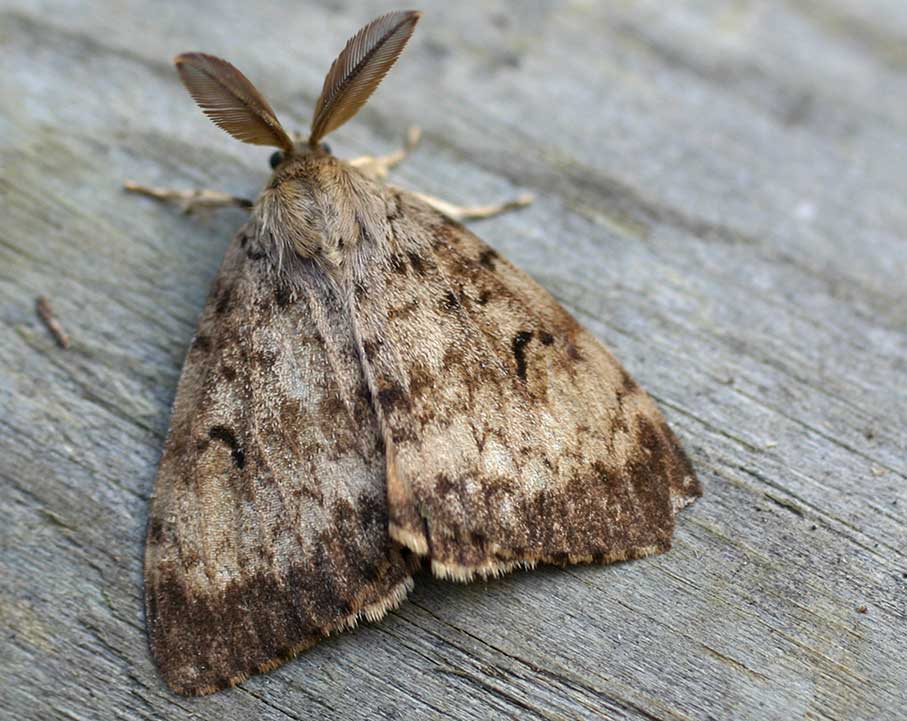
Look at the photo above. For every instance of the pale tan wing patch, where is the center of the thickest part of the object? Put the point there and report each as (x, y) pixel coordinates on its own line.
(514, 436)
(268, 526)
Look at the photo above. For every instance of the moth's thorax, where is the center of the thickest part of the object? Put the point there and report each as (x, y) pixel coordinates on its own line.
(315, 206)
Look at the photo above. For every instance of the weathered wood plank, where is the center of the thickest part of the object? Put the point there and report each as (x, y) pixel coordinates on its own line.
(721, 199)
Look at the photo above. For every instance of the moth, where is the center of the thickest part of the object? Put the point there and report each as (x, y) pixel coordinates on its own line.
(371, 389)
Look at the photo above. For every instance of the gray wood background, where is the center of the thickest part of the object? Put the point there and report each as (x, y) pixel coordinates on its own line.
(721, 198)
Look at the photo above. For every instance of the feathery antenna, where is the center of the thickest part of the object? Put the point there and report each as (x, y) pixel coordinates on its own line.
(359, 68)
(231, 101)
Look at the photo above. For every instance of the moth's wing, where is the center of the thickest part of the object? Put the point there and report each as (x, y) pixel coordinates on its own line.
(268, 527)
(513, 435)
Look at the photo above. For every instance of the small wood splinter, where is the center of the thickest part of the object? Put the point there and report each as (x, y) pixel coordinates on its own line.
(46, 314)
(372, 388)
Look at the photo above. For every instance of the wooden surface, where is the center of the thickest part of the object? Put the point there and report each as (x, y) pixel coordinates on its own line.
(721, 198)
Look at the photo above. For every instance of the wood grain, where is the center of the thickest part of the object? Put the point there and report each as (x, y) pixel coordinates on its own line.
(720, 199)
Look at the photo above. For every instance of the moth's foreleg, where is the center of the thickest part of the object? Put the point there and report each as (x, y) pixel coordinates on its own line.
(190, 200)
(475, 212)
(378, 166)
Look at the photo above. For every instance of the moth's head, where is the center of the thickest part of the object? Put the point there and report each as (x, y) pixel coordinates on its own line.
(233, 103)
(278, 157)
(311, 203)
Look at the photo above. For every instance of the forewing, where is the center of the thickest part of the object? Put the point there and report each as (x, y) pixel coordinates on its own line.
(268, 527)
(513, 435)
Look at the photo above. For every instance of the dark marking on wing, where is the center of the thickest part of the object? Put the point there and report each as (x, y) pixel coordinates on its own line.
(372, 512)
(398, 263)
(445, 486)
(225, 435)
(223, 301)
(255, 254)
(330, 407)
(420, 380)
(283, 295)
(294, 613)
(201, 343)
(487, 259)
(418, 263)
(155, 530)
(520, 340)
(654, 459)
(291, 411)
(371, 347)
(390, 396)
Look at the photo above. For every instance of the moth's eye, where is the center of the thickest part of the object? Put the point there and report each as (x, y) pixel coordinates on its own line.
(276, 157)
(326, 148)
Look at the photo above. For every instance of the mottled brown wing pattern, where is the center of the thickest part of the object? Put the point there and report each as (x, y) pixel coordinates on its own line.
(268, 526)
(513, 435)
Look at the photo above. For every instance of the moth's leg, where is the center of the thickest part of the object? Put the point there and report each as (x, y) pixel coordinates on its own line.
(475, 212)
(190, 200)
(379, 166)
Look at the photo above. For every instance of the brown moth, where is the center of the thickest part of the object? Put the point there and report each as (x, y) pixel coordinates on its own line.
(372, 385)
